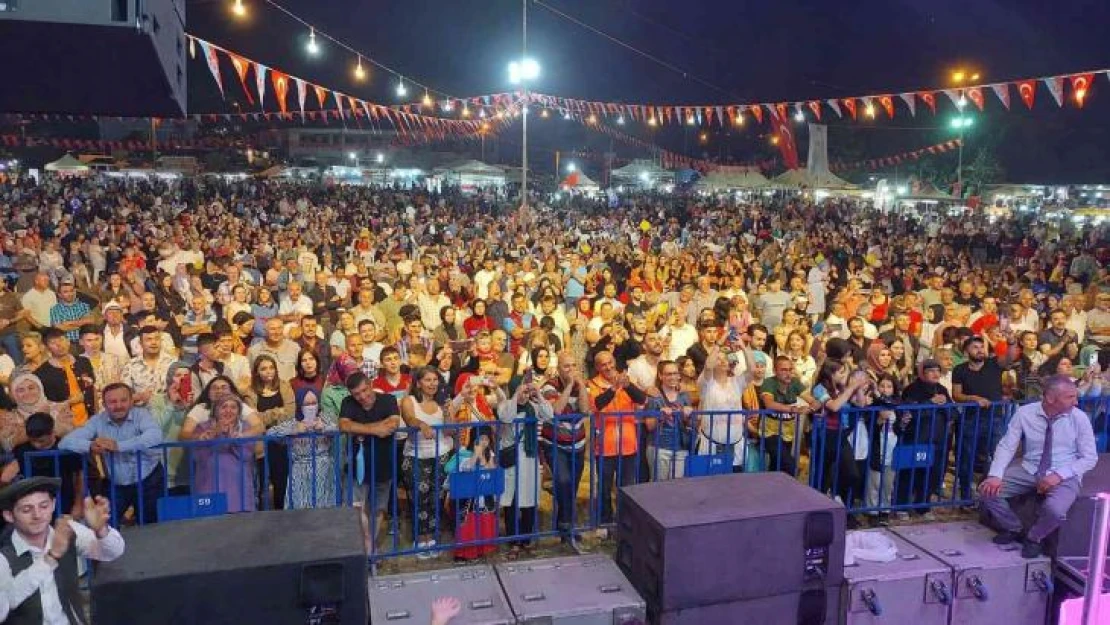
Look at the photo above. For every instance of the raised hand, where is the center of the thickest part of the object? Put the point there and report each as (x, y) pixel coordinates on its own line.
(98, 511)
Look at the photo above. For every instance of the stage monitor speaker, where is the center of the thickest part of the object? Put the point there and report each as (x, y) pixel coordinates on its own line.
(94, 57)
(285, 567)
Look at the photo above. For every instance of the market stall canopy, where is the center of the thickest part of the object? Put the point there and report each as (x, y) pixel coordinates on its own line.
(68, 164)
(801, 178)
(723, 181)
(929, 192)
(474, 168)
(640, 171)
(579, 181)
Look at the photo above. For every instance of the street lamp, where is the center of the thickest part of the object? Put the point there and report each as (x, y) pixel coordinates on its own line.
(354, 157)
(522, 72)
(571, 168)
(380, 158)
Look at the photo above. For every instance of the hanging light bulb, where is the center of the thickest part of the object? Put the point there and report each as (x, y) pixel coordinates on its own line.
(690, 120)
(620, 120)
(466, 111)
(427, 101)
(652, 122)
(360, 74)
(739, 119)
(799, 116)
(401, 91)
(312, 46)
(566, 115)
(592, 118)
(870, 110)
(544, 114)
(448, 106)
(238, 9)
(482, 113)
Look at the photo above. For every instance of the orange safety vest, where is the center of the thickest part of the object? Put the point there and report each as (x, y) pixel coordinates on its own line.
(618, 432)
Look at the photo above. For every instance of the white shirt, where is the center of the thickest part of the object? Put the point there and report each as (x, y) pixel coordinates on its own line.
(40, 575)
(682, 338)
(303, 306)
(430, 306)
(641, 372)
(481, 280)
(40, 303)
(115, 344)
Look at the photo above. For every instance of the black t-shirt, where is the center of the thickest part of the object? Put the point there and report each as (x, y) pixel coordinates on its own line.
(986, 382)
(377, 451)
(55, 383)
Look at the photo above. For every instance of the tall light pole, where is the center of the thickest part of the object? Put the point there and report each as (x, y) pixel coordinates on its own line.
(962, 122)
(521, 72)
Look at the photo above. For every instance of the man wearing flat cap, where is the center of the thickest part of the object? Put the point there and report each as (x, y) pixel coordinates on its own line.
(41, 559)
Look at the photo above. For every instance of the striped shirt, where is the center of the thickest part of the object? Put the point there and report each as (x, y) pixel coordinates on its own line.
(63, 312)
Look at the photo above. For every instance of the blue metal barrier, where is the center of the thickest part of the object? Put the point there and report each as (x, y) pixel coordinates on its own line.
(876, 460)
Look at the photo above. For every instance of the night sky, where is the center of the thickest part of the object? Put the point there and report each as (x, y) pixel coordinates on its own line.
(733, 52)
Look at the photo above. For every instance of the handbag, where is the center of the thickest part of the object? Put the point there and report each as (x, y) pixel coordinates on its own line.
(506, 457)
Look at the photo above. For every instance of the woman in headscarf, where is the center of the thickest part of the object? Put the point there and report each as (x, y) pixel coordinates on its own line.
(221, 464)
(335, 386)
(218, 388)
(879, 361)
(30, 397)
(520, 440)
(169, 410)
(312, 465)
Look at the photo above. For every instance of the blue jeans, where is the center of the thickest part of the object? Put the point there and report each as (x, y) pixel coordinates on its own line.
(614, 471)
(978, 431)
(10, 343)
(566, 466)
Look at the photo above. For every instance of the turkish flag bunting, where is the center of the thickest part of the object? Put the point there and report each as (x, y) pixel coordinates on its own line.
(780, 108)
(1027, 89)
(888, 105)
(281, 87)
(975, 94)
(321, 95)
(930, 100)
(815, 106)
(1080, 86)
(241, 66)
(757, 113)
(850, 104)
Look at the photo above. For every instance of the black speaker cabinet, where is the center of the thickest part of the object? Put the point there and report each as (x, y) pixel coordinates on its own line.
(265, 568)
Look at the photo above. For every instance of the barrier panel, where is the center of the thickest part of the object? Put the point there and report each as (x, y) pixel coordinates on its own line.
(465, 488)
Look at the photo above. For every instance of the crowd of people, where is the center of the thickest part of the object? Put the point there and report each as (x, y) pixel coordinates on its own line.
(443, 333)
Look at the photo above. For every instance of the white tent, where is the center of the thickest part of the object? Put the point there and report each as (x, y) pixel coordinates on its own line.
(801, 178)
(68, 165)
(473, 173)
(578, 181)
(641, 172)
(725, 181)
(928, 192)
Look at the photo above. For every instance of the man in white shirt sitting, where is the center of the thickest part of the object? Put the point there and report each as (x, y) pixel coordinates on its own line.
(41, 561)
(1058, 445)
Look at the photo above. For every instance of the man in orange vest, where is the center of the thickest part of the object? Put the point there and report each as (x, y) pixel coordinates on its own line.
(614, 399)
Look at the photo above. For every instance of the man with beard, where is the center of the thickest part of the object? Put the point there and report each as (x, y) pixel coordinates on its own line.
(978, 381)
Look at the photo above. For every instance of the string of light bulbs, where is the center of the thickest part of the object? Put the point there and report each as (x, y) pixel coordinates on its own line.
(312, 46)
